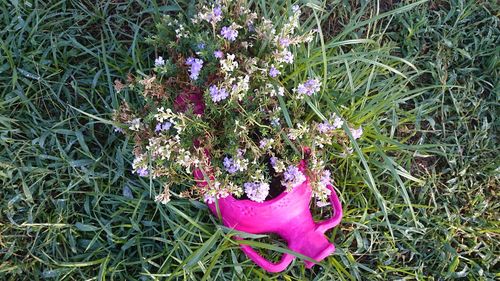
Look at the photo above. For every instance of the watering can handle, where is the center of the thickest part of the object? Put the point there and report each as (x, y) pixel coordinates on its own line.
(323, 226)
(286, 259)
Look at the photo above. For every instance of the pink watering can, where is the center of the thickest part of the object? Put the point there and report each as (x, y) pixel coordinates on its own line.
(287, 215)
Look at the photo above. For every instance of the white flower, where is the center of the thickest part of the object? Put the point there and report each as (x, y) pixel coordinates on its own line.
(321, 204)
(266, 143)
(163, 198)
(273, 92)
(356, 133)
(337, 121)
(241, 87)
(277, 164)
(135, 124)
(209, 199)
(229, 64)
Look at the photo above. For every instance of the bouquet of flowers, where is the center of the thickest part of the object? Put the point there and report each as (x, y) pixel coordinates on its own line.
(219, 100)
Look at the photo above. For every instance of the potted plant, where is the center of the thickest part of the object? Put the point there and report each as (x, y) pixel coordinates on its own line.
(219, 112)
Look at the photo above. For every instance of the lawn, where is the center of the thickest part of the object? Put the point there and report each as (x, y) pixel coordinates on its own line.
(420, 193)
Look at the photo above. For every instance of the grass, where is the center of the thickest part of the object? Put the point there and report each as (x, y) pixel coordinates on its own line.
(420, 192)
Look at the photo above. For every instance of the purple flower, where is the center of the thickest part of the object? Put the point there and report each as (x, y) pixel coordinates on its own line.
(292, 177)
(163, 126)
(217, 12)
(325, 127)
(273, 72)
(218, 54)
(216, 15)
(142, 172)
(230, 165)
(273, 161)
(256, 191)
(265, 143)
(309, 88)
(251, 27)
(326, 178)
(229, 33)
(201, 46)
(159, 61)
(284, 42)
(196, 65)
(218, 94)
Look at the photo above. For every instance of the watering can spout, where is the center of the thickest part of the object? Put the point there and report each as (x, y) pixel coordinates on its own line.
(313, 245)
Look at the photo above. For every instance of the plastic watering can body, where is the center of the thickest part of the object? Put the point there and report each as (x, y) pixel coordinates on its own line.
(288, 216)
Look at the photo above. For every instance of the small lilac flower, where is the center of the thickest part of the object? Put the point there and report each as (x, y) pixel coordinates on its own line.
(284, 42)
(223, 94)
(229, 33)
(292, 177)
(159, 61)
(218, 54)
(326, 178)
(158, 127)
(256, 191)
(118, 130)
(273, 160)
(325, 127)
(251, 27)
(216, 15)
(230, 166)
(273, 72)
(166, 126)
(196, 65)
(356, 133)
(142, 172)
(265, 143)
(201, 46)
(214, 91)
(209, 199)
(275, 122)
(163, 127)
(217, 11)
(309, 88)
(287, 57)
(337, 122)
(218, 94)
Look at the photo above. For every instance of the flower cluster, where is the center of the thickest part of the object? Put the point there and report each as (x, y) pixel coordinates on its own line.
(220, 103)
(256, 191)
(217, 94)
(196, 65)
(292, 177)
(309, 88)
